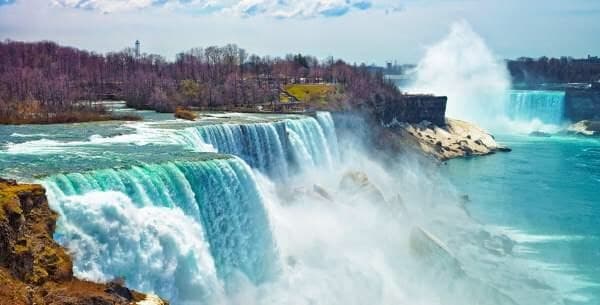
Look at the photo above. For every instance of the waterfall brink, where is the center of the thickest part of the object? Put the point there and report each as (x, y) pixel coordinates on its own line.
(274, 148)
(179, 229)
(261, 145)
(546, 106)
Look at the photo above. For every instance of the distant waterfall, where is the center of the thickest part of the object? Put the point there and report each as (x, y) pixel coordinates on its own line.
(274, 148)
(177, 228)
(546, 106)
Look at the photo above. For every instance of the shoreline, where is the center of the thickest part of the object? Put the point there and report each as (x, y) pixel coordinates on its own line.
(71, 119)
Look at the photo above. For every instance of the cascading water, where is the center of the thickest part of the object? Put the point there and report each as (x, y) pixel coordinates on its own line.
(186, 230)
(273, 147)
(177, 229)
(261, 145)
(198, 230)
(529, 105)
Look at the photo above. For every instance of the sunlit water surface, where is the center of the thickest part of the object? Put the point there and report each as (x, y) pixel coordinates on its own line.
(544, 195)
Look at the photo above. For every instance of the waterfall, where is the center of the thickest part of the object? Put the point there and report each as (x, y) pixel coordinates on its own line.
(179, 229)
(326, 121)
(546, 106)
(189, 231)
(274, 148)
(261, 145)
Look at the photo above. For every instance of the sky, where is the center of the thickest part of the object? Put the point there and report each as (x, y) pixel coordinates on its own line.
(369, 31)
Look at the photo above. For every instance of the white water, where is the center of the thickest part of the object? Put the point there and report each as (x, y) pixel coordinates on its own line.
(144, 133)
(274, 148)
(477, 83)
(463, 68)
(218, 232)
(172, 228)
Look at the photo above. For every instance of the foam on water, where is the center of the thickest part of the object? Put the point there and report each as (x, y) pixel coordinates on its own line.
(144, 133)
(230, 230)
(523, 237)
(155, 249)
(208, 206)
(546, 106)
(31, 135)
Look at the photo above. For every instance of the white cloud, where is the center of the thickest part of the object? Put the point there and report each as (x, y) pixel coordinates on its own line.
(105, 6)
(245, 8)
(305, 9)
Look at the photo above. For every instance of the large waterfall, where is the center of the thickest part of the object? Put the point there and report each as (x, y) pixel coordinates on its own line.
(187, 230)
(276, 216)
(177, 229)
(528, 105)
(274, 148)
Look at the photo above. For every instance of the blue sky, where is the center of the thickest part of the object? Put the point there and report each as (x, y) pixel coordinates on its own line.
(371, 31)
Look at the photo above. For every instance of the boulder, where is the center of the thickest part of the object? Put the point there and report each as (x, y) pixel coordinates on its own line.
(453, 140)
(540, 134)
(357, 184)
(322, 192)
(586, 128)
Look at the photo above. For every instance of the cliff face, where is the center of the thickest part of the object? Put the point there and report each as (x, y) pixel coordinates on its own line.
(453, 139)
(34, 269)
(413, 109)
(582, 104)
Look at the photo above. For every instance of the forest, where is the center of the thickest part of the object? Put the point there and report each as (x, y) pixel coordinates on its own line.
(43, 82)
(527, 70)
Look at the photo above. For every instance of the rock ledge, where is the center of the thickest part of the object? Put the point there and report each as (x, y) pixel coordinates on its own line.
(454, 140)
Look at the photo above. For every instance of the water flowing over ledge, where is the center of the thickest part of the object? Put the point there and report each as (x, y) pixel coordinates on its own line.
(274, 148)
(179, 229)
(546, 106)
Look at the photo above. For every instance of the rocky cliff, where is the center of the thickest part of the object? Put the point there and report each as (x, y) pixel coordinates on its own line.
(454, 139)
(412, 109)
(396, 129)
(34, 269)
(584, 128)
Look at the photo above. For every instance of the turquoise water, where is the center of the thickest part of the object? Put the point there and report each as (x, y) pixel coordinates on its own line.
(172, 206)
(247, 208)
(544, 195)
(32, 151)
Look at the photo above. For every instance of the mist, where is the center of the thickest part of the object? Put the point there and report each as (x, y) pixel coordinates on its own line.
(462, 67)
(376, 229)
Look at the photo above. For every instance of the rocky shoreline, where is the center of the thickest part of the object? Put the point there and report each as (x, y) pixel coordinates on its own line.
(34, 269)
(585, 128)
(456, 139)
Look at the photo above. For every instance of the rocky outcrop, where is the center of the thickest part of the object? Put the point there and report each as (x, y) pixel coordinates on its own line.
(34, 269)
(357, 184)
(585, 128)
(185, 114)
(453, 140)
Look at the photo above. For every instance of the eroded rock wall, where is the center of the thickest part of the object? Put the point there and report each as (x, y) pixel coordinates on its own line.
(413, 109)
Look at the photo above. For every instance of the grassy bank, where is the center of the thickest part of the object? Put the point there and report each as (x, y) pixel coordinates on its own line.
(318, 93)
(70, 116)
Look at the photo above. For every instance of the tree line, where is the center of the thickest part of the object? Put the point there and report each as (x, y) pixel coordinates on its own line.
(554, 70)
(44, 79)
